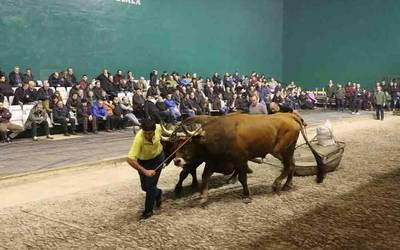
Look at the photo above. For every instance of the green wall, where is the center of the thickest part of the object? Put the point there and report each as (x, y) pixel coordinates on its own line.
(200, 36)
(342, 40)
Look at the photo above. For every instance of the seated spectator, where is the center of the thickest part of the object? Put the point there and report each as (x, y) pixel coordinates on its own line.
(195, 104)
(127, 111)
(233, 103)
(84, 83)
(153, 91)
(219, 105)
(152, 112)
(305, 101)
(5, 88)
(186, 107)
(55, 98)
(164, 111)
(141, 84)
(6, 125)
(97, 90)
(99, 111)
(30, 94)
(216, 79)
(28, 76)
(117, 115)
(38, 118)
(44, 94)
(73, 102)
(279, 107)
(205, 106)
(16, 78)
(62, 115)
(125, 86)
(69, 78)
(91, 98)
(130, 78)
(74, 90)
(173, 107)
(256, 107)
(84, 116)
(55, 80)
(171, 83)
(138, 103)
(118, 77)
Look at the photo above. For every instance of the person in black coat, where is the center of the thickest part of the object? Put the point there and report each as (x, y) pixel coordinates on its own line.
(153, 78)
(55, 80)
(61, 115)
(85, 116)
(5, 88)
(19, 94)
(16, 78)
(30, 95)
(28, 76)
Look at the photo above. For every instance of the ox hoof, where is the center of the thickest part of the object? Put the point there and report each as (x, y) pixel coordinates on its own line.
(203, 201)
(276, 188)
(178, 190)
(247, 200)
(195, 186)
(231, 180)
(287, 187)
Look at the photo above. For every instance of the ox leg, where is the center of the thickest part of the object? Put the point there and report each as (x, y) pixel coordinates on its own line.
(195, 183)
(233, 178)
(243, 181)
(182, 176)
(204, 187)
(288, 184)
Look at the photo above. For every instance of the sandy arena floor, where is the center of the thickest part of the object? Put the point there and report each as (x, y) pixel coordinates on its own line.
(357, 207)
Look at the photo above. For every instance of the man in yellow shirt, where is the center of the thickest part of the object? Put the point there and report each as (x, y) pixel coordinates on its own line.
(145, 155)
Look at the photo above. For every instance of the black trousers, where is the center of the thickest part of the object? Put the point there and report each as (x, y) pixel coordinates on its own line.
(43, 124)
(379, 112)
(149, 184)
(107, 122)
(64, 124)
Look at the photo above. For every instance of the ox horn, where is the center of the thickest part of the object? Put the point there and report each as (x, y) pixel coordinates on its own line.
(192, 133)
(165, 138)
(165, 130)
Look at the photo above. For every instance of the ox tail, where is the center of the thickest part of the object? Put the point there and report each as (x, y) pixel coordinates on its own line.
(320, 163)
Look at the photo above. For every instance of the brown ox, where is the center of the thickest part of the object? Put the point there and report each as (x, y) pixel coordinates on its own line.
(227, 143)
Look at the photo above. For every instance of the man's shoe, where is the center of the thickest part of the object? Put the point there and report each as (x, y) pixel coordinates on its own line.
(146, 215)
(35, 138)
(49, 137)
(67, 134)
(95, 132)
(8, 140)
(159, 200)
(73, 133)
(108, 130)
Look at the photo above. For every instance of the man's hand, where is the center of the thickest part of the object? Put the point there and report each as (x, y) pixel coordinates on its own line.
(149, 173)
(104, 118)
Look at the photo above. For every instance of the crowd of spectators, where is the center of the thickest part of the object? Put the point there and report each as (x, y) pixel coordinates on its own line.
(167, 97)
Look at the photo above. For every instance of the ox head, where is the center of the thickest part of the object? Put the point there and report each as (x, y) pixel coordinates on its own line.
(191, 149)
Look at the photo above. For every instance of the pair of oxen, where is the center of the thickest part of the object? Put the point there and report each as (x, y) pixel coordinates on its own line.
(226, 143)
